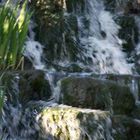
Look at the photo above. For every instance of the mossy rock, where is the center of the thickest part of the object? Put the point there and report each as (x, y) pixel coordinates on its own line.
(131, 81)
(47, 12)
(125, 128)
(47, 15)
(68, 123)
(74, 68)
(33, 86)
(96, 94)
(25, 86)
(55, 30)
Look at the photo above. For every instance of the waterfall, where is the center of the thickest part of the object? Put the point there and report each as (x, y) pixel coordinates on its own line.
(100, 47)
(33, 50)
(101, 41)
(101, 55)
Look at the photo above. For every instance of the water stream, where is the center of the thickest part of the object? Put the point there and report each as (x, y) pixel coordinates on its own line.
(102, 53)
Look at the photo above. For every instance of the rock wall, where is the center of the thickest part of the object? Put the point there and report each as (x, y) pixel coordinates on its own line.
(40, 117)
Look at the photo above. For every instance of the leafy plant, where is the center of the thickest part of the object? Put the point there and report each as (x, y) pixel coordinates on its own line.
(14, 21)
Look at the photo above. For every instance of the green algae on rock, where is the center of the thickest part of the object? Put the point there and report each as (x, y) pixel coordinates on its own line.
(68, 123)
(34, 86)
(26, 86)
(96, 94)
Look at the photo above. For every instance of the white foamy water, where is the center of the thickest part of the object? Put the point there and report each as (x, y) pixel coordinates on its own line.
(101, 41)
(33, 51)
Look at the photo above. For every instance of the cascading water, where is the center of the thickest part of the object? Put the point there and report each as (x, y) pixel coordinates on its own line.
(103, 47)
(33, 50)
(102, 53)
(98, 39)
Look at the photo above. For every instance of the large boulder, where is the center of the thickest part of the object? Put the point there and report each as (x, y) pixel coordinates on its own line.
(68, 123)
(97, 94)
